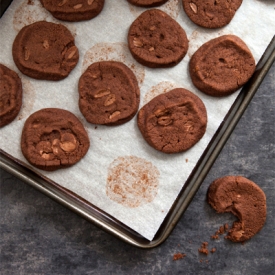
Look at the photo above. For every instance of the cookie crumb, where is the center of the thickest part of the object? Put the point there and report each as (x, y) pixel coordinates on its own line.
(213, 250)
(226, 227)
(222, 230)
(215, 237)
(178, 256)
(203, 248)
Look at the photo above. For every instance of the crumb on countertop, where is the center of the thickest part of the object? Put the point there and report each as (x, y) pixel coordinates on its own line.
(204, 248)
(213, 250)
(178, 256)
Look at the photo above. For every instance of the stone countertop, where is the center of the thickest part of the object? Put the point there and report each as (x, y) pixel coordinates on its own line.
(39, 236)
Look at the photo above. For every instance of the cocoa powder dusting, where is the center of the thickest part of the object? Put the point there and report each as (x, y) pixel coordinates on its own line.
(162, 87)
(132, 181)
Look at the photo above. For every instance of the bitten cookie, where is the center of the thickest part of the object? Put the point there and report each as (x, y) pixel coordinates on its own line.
(221, 66)
(244, 199)
(173, 122)
(108, 93)
(53, 139)
(73, 10)
(156, 40)
(147, 3)
(10, 95)
(45, 50)
(211, 14)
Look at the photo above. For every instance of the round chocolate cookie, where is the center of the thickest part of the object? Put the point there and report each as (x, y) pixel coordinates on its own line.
(173, 122)
(156, 40)
(244, 199)
(73, 10)
(108, 93)
(53, 139)
(45, 50)
(10, 95)
(211, 13)
(221, 66)
(147, 3)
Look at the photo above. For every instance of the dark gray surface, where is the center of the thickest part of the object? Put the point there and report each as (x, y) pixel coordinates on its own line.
(39, 236)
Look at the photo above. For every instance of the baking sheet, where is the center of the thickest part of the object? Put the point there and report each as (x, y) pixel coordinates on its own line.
(124, 144)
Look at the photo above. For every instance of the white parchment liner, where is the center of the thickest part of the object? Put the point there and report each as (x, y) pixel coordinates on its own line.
(103, 38)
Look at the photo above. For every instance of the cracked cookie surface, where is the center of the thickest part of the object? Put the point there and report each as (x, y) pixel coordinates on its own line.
(211, 13)
(10, 95)
(73, 10)
(156, 40)
(108, 93)
(243, 198)
(147, 3)
(45, 50)
(174, 121)
(221, 66)
(53, 138)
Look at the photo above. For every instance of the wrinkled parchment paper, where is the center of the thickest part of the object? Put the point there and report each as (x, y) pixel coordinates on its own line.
(119, 156)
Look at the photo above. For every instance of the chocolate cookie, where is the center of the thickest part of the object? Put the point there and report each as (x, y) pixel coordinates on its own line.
(211, 13)
(53, 139)
(73, 10)
(147, 3)
(156, 40)
(109, 93)
(221, 66)
(45, 50)
(173, 122)
(10, 95)
(244, 199)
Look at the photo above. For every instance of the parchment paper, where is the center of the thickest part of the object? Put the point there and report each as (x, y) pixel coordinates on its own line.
(105, 38)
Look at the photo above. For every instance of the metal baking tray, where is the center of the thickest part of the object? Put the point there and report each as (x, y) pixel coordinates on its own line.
(4, 4)
(112, 225)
